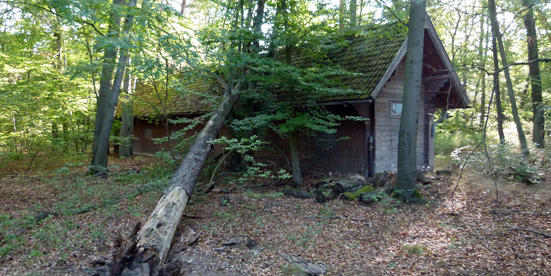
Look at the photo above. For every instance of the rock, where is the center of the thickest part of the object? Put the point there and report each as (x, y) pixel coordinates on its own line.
(355, 194)
(229, 243)
(257, 250)
(307, 268)
(320, 197)
(251, 243)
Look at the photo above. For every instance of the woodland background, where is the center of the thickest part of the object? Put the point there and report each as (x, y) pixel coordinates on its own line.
(63, 64)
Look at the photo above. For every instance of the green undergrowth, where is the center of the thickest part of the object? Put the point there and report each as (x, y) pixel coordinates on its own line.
(73, 211)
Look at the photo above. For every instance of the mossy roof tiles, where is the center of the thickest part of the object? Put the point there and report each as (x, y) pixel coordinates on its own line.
(369, 55)
(197, 96)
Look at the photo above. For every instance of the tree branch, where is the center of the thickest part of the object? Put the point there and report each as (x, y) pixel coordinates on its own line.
(509, 228)
(54, 13)
(524, 63)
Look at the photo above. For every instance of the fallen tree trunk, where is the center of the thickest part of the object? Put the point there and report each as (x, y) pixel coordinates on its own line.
(155, 238)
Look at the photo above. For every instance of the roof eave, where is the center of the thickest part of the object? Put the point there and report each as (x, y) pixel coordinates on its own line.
(456, 82)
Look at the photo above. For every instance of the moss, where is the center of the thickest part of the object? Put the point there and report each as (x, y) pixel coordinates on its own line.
(353, 195)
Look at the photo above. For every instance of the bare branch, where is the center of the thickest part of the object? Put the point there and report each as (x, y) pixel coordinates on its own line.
(528, 230)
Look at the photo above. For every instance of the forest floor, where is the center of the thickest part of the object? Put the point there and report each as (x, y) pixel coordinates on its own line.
(468, 233)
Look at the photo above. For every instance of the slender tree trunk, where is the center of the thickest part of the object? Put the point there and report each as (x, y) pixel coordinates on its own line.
(109, 58)
(293, 143)
(183, 7)
(535, 79)
(407, 139)
(497, 91)
(100, 157)
(58, 63)
(514, 110)
(127, 118)
(483, 48)
(341, 14)
(353, 11)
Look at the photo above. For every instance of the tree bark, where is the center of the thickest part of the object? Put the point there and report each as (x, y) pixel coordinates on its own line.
(293, 144)
(535, 79)
(514, 110)
(100, 157)
(109, 57)
(156, 236)
(127, 119)
(353, 11)
(483, 48)
(407, 139)
(497, 91)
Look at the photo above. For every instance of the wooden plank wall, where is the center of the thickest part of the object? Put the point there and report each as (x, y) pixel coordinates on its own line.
(387, 128)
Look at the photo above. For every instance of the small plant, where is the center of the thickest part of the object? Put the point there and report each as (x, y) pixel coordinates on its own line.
(415, 249)
(36, 254)
(374, 196)
(391, 211)
(326, 213)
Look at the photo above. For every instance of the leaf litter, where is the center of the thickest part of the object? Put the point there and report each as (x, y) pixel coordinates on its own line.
(469, 234)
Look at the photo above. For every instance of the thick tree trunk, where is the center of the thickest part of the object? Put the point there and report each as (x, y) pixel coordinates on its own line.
(514, 110)
(156, 236)
(535, 79)
(407, 139)
(127, 119)
(497, 91)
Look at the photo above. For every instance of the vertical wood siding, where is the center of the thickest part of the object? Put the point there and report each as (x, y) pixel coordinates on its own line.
(387, 128)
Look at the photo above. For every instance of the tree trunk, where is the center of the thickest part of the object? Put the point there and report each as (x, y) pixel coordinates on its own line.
(127, 119)
(297, 175)
(535, 79)
(156, 236)
(293, 144)
(514, 110)
(257, 25)
(100, 157)
(407, 139)
(483, 48)
(497, 91)
(353, 11)
(108, 67)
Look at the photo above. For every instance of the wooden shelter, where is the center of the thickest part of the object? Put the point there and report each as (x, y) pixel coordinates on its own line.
(379, 57)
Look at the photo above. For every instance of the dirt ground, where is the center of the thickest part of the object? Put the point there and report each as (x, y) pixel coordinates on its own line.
(468, 233)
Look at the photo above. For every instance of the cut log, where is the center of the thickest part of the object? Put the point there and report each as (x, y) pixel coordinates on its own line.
(348, 184)
(156, 236)
(296, 193)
